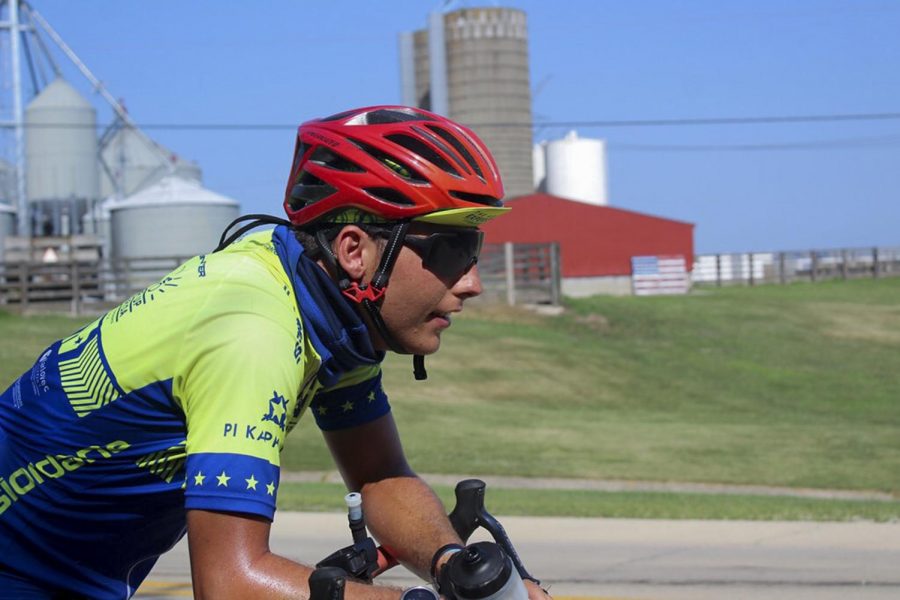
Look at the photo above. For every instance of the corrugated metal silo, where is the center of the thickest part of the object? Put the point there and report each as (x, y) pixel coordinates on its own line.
(134, 162)
(576, 169)
(61, 158)
(174, 218)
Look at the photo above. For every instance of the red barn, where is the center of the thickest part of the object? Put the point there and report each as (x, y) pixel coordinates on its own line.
(596, 242)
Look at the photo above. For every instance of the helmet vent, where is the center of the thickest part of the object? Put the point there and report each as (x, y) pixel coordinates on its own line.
(386, 116)
(309, 190)
(389, 195)
(437, 142)
(422, 149)
(397, 166)
(476, 198)
(325, 157)
(451, 139)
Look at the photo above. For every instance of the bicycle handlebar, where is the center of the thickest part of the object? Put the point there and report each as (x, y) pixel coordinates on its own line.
(363, 561)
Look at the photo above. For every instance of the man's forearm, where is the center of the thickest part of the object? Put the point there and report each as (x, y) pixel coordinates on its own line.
(405, 515)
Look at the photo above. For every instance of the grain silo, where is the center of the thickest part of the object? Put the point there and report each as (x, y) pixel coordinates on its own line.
(61, 159)
(576, 169)
(174, 218)
(472, 65)
(131, 161)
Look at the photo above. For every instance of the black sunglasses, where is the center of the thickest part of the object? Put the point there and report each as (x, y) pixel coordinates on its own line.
(447, 254)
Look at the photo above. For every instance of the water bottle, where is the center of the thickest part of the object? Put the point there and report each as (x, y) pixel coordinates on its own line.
(483, 571)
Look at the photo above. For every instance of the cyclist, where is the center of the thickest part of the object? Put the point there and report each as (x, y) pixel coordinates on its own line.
(167, 414)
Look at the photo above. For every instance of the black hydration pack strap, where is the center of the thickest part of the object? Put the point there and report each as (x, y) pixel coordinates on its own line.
(256, 220)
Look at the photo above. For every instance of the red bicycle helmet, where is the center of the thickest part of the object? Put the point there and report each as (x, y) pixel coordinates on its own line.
(392, 163)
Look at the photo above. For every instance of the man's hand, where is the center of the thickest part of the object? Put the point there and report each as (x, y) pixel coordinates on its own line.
(535, 592)
(230, 558)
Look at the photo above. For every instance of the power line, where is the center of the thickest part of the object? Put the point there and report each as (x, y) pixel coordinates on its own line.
(703, 121)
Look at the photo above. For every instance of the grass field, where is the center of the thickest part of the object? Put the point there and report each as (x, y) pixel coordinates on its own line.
(776, 385)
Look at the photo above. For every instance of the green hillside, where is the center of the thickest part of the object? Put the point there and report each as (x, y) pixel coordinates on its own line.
(795, 385)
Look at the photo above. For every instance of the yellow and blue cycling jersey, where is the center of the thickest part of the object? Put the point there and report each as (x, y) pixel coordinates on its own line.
(178, 399)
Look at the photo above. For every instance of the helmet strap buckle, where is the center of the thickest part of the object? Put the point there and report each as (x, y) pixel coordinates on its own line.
(360, 292)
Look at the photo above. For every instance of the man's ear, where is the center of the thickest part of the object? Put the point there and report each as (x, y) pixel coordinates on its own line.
(355, 251)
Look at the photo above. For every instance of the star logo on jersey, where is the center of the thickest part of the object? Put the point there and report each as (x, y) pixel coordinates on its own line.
(199, 477)
(251, 482)
(347, 406)
(270, 488)
(277, 410)
(371, 396)
(223, 479)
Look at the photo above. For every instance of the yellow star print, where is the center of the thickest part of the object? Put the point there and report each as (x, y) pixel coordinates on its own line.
(270, 488)
(347, 406)
(322, 410)
(199, 477)
(371, 396)
(223, 479)
(251, 483)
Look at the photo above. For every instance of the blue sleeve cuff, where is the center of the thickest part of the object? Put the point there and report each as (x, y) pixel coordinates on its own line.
(350, 406)
(231, 482)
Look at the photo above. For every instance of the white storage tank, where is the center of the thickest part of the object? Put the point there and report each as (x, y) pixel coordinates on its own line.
(576, 169)
(539, 166)
(61, 171)
(174, 218)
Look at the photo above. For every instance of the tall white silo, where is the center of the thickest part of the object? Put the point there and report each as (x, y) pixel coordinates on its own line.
(576, 169)
(61, 159)
(175, 218)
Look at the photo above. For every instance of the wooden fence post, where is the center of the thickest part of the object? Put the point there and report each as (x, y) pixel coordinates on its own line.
(844, 264)
(23, 285)
(752, 275)
(813, 265)
(556, 275)
(718, 270)
(510, 262)
(782, 274)
(876, 268)
(76, 289)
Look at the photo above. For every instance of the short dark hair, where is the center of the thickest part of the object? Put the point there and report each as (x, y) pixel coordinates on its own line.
(310, 243)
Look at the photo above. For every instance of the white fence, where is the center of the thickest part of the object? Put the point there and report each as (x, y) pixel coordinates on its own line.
(785, 267)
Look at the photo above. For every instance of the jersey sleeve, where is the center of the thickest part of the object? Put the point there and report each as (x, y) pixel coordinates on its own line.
(356, 400)
(238, 390)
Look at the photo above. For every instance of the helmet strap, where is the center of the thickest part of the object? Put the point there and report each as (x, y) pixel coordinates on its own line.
(368, 295)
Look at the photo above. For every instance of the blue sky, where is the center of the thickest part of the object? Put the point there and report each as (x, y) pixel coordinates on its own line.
(281, 62)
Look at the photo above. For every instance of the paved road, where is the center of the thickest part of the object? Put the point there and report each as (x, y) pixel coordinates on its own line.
(643, 559)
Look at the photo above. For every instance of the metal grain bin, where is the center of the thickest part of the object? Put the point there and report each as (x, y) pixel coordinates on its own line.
(160, 226)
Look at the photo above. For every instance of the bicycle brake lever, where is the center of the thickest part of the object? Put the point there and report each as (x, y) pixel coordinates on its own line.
(470, 513)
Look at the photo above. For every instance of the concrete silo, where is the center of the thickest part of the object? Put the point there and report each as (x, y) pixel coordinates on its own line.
(576, 169)
(174, 218)
(472, 65)
(61, 159)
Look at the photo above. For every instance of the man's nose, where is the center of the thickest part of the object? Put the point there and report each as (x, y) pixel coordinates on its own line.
(469, 285)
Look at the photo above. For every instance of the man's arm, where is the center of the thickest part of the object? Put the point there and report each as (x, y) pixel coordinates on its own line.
(402, 512)
(230, 558)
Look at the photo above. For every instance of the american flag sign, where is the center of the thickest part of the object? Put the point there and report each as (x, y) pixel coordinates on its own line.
(656, 275)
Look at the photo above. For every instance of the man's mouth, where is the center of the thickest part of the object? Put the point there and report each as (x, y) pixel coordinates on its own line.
(443, 318)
